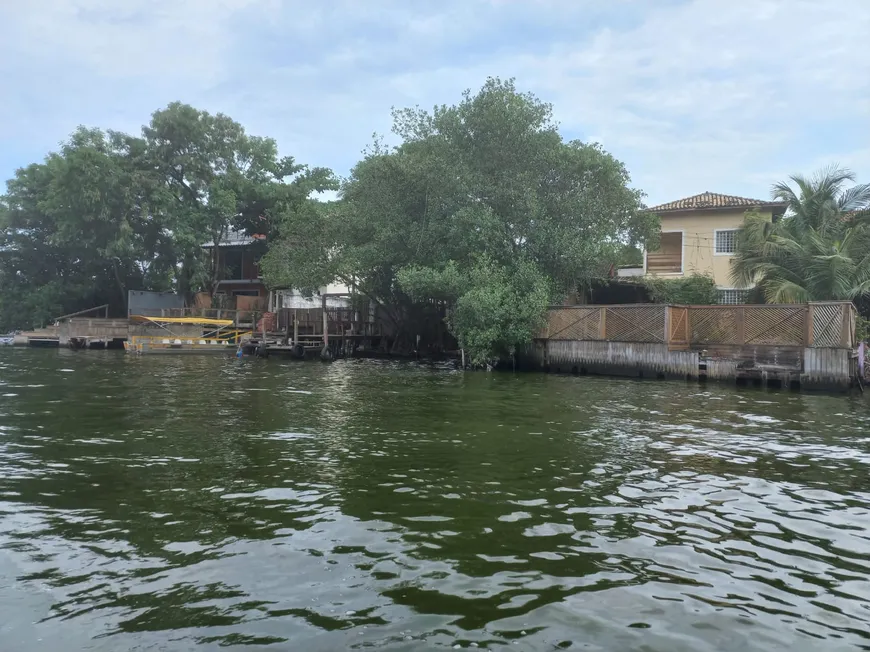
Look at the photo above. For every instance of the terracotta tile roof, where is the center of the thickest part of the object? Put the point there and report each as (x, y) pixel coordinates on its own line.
(712, 200)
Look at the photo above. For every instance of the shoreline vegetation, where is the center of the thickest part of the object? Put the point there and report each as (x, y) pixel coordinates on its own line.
(480, 211)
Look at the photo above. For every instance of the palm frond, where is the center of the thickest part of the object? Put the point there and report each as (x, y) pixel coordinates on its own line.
(830, 179)
(860, 290)
(856, 198)
(783, 291)
(819, 250)
(783, 192)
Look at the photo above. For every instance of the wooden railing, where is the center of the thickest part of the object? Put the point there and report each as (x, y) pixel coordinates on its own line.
(103, 309)
(302, 321)
(816, 325)
(664, 263)
(339, 320)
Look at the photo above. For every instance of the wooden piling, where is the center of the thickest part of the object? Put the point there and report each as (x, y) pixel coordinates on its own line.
(325, 326)
(295, 327)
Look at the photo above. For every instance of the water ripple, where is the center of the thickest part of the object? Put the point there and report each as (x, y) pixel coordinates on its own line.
(210, 502)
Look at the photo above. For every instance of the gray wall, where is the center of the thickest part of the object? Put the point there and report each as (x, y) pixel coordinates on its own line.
(149, 304)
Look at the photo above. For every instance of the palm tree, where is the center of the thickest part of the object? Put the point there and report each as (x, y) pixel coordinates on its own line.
(818, 251)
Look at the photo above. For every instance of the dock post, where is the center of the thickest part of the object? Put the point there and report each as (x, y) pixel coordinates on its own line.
(343, 336)
(325, 351)
(295, 328)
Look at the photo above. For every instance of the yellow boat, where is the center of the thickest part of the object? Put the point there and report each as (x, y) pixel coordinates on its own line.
(177, 336)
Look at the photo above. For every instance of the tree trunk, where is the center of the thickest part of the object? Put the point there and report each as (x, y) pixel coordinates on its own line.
(214, 270)
(184, 288)
(399, 332)
(121, 288)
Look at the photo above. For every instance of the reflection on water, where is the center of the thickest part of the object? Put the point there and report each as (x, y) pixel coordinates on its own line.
(195, 503)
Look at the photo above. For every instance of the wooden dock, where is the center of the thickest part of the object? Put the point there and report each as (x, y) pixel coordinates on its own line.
(329, 332)
(78, 333)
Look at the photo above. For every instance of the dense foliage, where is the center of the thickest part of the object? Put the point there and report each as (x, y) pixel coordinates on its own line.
(111, 212)
(483, 208)
(694, 290)
(478, 218)
(819, 250)
(77, 230)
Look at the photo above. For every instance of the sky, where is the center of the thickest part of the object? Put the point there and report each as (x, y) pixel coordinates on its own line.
(724, 96)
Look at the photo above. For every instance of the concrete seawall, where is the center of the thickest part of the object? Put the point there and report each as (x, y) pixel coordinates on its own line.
(808, 368)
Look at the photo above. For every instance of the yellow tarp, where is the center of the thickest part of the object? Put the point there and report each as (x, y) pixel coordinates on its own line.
(184, 320)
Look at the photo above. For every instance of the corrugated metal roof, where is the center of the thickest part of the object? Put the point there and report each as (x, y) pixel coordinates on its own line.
(235, 239)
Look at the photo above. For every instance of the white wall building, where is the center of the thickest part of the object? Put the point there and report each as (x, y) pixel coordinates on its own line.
(279, 299)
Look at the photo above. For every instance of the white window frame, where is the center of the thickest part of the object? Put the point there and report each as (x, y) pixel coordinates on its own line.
(682, 233)
(718, 289)
(730, 253)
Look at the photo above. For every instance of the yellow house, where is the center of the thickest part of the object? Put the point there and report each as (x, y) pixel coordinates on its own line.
(699, 236)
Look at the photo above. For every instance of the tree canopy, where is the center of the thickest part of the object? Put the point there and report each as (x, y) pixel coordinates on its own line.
(110, 212)
(218, 179)
(77, 229)
(819, 250)
(482, 207)
(480, 216)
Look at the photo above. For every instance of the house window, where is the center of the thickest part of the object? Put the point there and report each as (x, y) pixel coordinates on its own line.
(668, 259)
(726, 241)
(733, 297)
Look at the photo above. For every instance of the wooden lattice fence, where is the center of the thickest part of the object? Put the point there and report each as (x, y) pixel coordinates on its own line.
(574, 323)
(637, 323)
(632, 323)
(779, 325)
(678, 327)
(832, 324)
(774, 325)
(713, 325)
(820, 325)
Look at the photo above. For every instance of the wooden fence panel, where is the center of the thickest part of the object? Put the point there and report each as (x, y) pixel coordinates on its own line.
(820, 325)
(833, 325)
(678, 327)
(574, 323)
(640, 323)
(774, 325)
(714, 325)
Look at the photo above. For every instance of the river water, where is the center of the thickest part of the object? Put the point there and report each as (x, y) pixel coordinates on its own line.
(200, 503)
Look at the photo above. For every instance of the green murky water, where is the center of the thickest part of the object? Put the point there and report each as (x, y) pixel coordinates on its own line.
(195, 503)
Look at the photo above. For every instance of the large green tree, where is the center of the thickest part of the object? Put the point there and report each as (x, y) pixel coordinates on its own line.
(819, 250)
(109, 212)
(78, 230)
(221, 179)
(482, 207)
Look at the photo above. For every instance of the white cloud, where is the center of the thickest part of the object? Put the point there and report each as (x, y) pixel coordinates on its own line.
(693, 95)
(118, 40)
